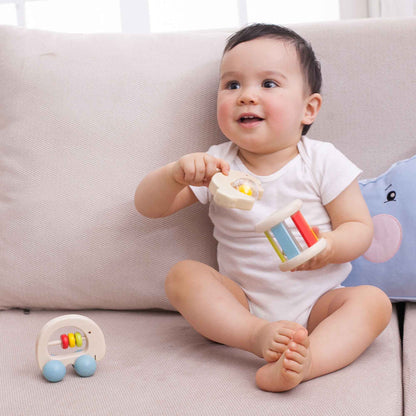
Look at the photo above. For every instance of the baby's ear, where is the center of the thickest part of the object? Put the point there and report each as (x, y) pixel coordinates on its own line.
(312, 106)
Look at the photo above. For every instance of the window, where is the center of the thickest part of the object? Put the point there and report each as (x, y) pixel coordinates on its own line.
(179, 15)
(143, 16)
(74, 15)
(8, 15)
(293, 11)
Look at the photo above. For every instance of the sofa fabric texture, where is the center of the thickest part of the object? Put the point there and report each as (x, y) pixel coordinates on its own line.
(83, 118)
(156, 364)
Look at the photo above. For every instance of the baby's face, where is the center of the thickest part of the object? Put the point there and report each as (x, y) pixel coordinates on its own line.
(261, 97)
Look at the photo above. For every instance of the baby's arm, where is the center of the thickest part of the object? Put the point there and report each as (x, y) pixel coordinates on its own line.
(352, 229)
(166, 190)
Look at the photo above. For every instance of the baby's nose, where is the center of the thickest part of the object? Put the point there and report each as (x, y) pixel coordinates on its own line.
(248, 96)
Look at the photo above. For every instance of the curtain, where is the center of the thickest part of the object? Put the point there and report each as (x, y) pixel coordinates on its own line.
(391, 8)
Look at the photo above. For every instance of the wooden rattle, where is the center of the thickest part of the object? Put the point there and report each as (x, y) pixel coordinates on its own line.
(235, 190)
(282, 240)
(87, 338)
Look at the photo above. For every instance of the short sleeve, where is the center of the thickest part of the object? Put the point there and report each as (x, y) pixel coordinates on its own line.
(202, 193)
(335, 172)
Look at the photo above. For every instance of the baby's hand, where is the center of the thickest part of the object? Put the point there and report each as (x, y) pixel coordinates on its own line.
(197, 169)
(323, 258)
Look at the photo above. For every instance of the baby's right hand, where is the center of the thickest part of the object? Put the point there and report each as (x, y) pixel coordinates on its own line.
(197, 169)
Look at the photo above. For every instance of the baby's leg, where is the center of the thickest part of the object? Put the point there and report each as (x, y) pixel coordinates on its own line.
(342, 324)
(218, 309)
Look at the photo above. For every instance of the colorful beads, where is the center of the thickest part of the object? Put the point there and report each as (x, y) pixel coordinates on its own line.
(71, 340)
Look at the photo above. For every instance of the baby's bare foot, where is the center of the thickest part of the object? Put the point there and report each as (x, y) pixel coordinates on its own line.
(271, 340)
(292, 367)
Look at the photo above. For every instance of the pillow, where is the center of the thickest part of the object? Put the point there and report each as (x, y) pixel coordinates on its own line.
(390, 262)
(82, 119)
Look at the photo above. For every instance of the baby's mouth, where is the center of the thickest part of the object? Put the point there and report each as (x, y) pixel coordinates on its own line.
(247, 119)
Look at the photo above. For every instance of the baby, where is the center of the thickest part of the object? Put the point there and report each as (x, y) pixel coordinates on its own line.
(304, 324)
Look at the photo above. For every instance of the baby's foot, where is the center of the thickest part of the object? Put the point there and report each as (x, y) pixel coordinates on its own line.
(292, 367)
(271, 340)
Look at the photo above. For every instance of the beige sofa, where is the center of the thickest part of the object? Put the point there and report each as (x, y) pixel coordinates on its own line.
(82, 119)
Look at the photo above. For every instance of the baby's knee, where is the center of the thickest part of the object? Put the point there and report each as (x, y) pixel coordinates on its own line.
(177, 277)
(379, 302)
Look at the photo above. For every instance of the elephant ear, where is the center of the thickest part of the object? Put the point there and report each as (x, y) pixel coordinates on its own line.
(390, 262)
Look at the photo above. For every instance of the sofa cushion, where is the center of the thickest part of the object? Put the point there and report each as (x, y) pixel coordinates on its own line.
(83, 118)
(390, 262)
(156, 364)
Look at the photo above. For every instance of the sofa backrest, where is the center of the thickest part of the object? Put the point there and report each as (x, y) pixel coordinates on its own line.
(369, 89)
(84, 117)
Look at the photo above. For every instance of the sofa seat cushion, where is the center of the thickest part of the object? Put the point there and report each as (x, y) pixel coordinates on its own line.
(156, 364)
(409, 360)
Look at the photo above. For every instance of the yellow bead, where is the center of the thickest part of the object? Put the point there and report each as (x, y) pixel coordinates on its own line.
(245, 189)
(71, 339)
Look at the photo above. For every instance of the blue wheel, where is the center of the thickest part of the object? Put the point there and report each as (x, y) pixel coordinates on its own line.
(54, 371)
(85, 366)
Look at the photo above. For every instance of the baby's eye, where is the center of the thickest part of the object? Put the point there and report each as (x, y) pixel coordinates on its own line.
(269, 84)
(233, 85)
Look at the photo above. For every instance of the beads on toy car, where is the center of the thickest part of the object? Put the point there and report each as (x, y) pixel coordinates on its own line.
(81, 347)
(71, 340)
(286, 246)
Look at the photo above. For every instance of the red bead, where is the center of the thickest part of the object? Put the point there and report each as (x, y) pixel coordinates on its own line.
(65, 341)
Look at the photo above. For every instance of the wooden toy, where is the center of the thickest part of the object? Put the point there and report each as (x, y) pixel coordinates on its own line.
(235, 190)
(282, 240)
(82, 347)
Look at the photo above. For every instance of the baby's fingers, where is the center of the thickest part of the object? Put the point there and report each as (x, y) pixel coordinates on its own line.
(214, 165)
(223, 166)
(199, 173)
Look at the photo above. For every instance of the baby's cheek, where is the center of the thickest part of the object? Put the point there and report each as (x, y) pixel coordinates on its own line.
(224, 116)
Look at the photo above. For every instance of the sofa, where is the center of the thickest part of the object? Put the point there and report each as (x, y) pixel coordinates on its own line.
(82, 119)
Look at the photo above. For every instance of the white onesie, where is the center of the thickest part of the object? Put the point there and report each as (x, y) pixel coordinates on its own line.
(317, 175)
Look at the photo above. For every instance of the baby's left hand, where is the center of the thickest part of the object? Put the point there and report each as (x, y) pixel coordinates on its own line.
(323, 258)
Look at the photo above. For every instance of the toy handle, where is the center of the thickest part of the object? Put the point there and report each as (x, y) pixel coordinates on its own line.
(303, 257)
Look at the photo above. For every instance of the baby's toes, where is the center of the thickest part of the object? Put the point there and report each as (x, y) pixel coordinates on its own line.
(300, 337)
(292, 365)
(295, 357)
(274, 352)
(297, 348)
(272, 356)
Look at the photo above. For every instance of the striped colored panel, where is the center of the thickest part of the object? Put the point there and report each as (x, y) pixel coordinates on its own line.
(286, 241)
(304, 229)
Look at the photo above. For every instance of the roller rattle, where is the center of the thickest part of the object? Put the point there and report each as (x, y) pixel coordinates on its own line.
(81, 347)
(282, 240)
(235, 190)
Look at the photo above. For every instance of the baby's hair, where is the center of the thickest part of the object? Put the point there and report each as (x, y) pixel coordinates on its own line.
(310, 65)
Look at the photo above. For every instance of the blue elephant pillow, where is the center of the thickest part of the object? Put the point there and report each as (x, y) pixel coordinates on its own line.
(390, 262)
